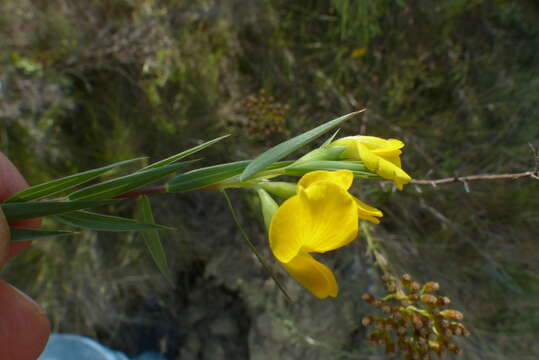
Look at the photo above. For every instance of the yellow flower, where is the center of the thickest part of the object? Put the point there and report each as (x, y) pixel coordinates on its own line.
(379, 155)
(323, 216)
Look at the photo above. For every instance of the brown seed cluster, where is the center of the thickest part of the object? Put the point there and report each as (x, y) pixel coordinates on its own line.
(413, 323)
(264, 116)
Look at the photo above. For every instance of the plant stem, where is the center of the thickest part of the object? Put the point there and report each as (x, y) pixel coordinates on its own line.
(252, 247)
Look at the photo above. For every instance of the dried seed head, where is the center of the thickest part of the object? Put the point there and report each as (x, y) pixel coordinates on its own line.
(429, 299)
(418, 323)
(390, 348)
(369, 298)
(435, 346)
(402, 330)
(454, 348)
(406, 278)
(452, 314)
(444, 301)
(415, 286)
(375, 337)
(431, 286)
(367, 320)
(413, 315)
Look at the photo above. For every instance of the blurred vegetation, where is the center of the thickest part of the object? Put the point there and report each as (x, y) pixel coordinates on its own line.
(86, 83)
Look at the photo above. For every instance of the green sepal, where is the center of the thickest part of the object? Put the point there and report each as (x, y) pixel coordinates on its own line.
(99, 222)
(25, 234)
(124, 184)
(183, 154)
(32, 210)
(323, 153)
(280, 188)
(268, 205)
(357, 167)
(58, 185)
(278, 152)
(331, 138)
(152, 239)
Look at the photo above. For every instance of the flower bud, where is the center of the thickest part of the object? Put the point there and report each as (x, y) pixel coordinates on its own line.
(269, 206)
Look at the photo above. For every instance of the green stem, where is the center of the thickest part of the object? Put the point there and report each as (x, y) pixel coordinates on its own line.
(251, 245)
(373, 248)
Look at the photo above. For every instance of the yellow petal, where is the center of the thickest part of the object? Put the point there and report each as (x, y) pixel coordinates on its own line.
(343, 178)
(382, 147)
(367, 212)
(313, 275)
(286, 231)
(321, 218)
(394, 159)
(383, 167)
(376, 143)
(334, 217)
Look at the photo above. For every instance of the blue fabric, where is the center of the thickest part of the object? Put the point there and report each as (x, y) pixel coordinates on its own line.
(70, 346)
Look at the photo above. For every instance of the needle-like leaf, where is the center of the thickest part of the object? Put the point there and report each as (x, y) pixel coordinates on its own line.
(278, 152)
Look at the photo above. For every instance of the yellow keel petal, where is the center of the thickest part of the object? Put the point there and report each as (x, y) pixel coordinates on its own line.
(313, 275)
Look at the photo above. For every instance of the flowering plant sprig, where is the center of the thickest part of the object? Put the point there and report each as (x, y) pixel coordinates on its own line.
(321, 196)
(68, 200)
(316, 214)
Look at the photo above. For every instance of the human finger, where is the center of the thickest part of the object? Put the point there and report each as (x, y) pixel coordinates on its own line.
(24, 328)
(11, 181)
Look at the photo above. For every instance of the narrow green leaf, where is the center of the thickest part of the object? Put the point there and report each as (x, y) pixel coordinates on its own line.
(211, 175)
(32, 210)
(206, 176)
(183, 154)
(121, 185)
(58, 185)
(100, 222)
(278, 152)
(25, 234)
(152, 240)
